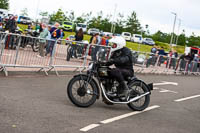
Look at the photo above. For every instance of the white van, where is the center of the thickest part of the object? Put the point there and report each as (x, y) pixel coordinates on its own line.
(3, 13)
(81, 25)
(136, 38)
(126, 36)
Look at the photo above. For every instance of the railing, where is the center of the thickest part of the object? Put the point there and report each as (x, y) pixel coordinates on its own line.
(160, 64)
(47, 55)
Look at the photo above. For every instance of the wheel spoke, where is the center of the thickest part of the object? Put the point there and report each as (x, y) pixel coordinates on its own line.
(86, 97)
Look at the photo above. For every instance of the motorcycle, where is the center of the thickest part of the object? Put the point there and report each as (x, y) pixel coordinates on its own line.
(84, 89)
(31, 38)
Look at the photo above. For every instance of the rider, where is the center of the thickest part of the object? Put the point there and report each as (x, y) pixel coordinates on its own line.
(122, 59)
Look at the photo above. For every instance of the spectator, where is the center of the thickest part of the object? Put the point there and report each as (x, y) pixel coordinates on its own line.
(184, 59)
(196, 58)
(95, 48)
(43, 36)
(161, 51)
(29, 27)
(79, 35)
(55, 34)
(37, 27)
(103, 40)
(11, 26)
(40, 30)
(48, 39)
(94, 39)
(77, 49)
(62, 34)
(49, 34)
(154, 49)
(171, 61)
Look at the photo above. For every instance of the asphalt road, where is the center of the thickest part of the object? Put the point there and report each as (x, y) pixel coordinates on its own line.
(38, 104)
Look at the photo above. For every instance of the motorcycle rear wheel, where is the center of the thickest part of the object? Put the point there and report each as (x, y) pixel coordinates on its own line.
(69, 54)
(77, 93)
(140, 88)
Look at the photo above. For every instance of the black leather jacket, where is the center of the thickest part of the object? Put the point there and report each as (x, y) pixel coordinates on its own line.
(122, 59)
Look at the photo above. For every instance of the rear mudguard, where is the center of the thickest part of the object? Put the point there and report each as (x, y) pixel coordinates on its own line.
(98, 90)
(149, 86)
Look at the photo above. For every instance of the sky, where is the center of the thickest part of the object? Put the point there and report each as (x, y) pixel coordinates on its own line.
(156, 13)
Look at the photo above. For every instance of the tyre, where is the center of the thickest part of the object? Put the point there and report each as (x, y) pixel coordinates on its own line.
(142, 103)
(80, 95)
(35, 46)
(69, 54)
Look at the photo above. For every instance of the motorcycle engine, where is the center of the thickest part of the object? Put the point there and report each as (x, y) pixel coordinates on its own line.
(103, 72)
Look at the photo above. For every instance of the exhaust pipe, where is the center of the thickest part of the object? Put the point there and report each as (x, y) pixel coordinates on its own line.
(138, 97)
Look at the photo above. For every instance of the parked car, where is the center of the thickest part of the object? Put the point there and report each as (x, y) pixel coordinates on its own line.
(24, 20)
(126, 36)
(116, 34)
(3, 13)
(136, 38)
(81, 25)
(68, 26)
(93, 31)
(148, 41)
(108, 34)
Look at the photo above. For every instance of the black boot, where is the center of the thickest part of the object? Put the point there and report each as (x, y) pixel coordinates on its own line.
(124, 90)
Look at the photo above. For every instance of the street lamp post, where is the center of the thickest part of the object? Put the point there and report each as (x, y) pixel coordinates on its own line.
(37, 9)
(113, 25)
(178, 31)
(172, 35)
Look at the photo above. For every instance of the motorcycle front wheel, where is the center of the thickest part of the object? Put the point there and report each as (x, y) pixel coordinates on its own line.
(35, 46)
(81, 92)
(139, 88)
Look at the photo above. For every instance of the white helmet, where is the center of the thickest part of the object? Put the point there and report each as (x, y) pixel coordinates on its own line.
(117, 43)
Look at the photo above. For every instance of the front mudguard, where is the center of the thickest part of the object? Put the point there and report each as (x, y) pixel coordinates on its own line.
(98, 90)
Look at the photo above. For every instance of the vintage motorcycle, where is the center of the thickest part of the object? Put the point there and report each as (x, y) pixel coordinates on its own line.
(84, 89)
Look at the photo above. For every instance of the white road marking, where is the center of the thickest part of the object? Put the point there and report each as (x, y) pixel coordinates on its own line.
(155, 88)
(187, 98)
(165, 83)
(89, 127)
(128, 115)
(164, 90)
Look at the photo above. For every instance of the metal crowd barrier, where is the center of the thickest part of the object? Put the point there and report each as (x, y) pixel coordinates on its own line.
(160, 64)
(23, 51)
(188, 67)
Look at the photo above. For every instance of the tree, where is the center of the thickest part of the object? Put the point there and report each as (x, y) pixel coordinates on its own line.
(80, 19)
(133, 24)
(95, 22)
(71, 16)
(161, 37)
(24, 12)
(58, 16)
(4, 4)
(119, 27)
(44, 14)
(194, 40)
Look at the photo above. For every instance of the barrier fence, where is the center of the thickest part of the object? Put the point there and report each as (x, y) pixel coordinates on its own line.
(160, 64)
(47, 55)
